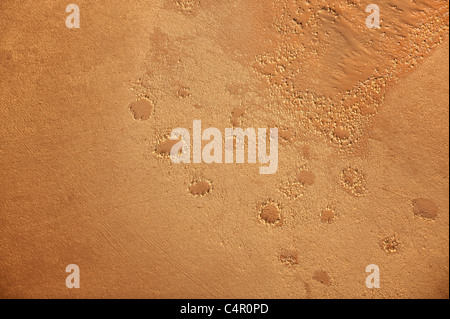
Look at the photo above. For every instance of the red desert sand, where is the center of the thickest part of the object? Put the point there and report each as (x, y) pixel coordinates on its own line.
(86, 177)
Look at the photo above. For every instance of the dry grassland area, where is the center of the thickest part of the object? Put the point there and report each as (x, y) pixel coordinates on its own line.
(87, 178)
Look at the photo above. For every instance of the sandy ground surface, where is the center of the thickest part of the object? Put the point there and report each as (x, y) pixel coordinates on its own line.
(363, 172)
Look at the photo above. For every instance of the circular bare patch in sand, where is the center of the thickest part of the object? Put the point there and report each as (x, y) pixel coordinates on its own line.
(270, 213)
(328, 216)
(425, 208)
(200, 188)
(307, 178)
(142, 109)
(164, 147)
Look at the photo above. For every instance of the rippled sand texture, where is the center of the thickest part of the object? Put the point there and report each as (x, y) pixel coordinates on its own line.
(86, 177)
(333, 72)
(324, 66)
